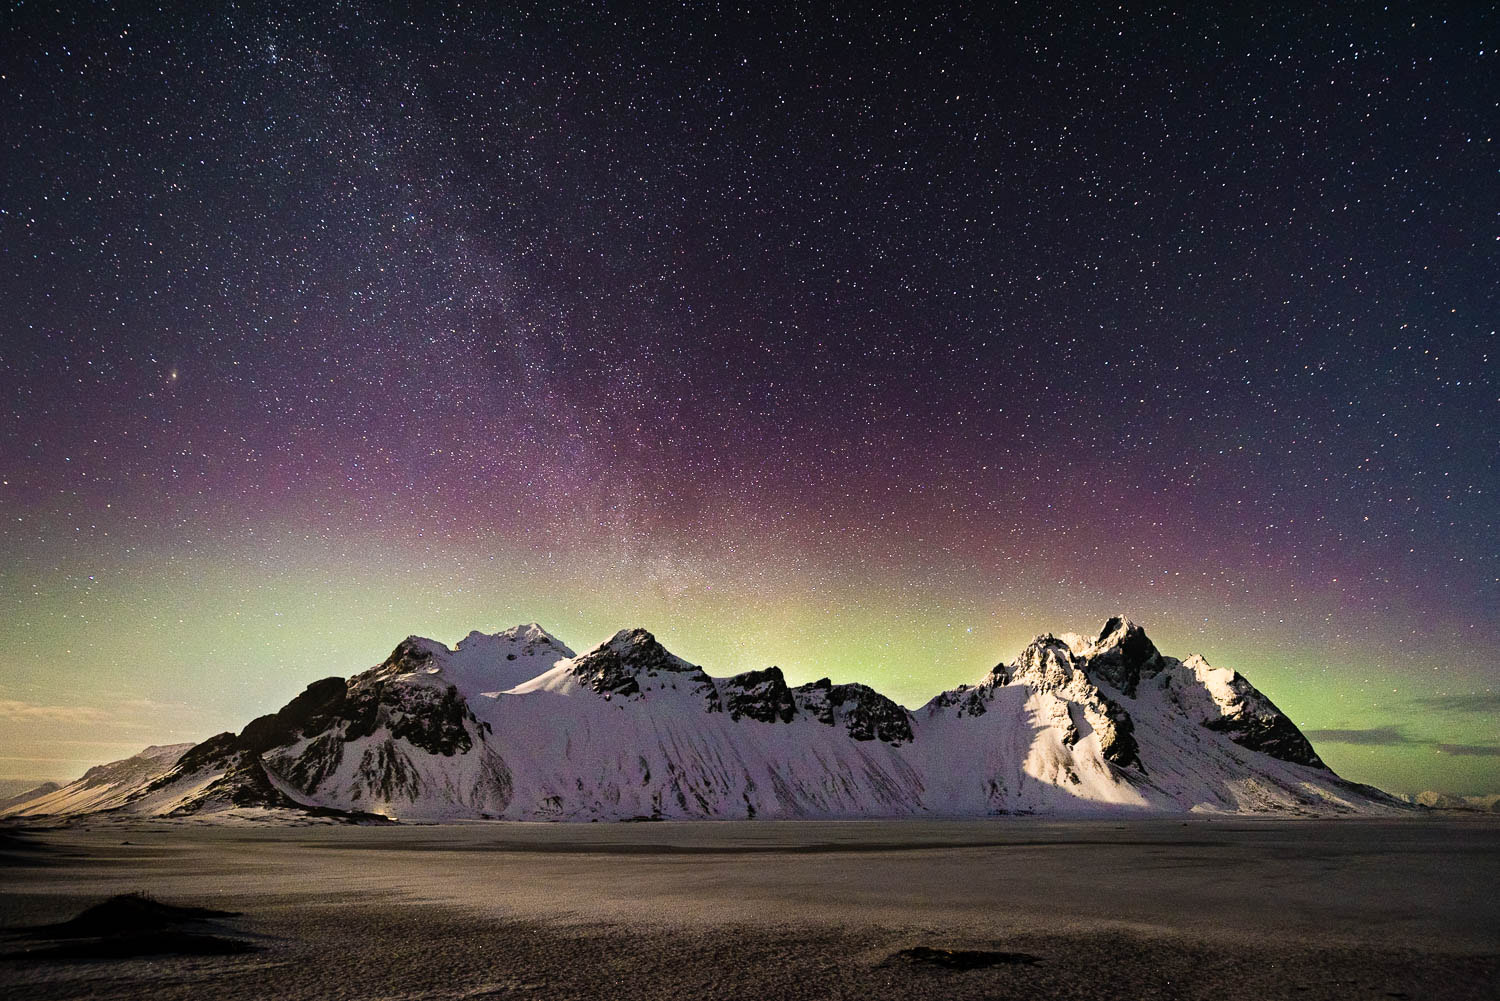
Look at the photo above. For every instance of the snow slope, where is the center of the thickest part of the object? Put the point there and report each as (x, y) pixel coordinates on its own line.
(514, 726)
(103, 787)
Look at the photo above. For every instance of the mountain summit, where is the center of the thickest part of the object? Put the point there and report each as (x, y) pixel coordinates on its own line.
(514, 725)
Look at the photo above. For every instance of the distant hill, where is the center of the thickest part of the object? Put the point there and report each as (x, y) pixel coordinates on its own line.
(14, 791)
(1446, 801)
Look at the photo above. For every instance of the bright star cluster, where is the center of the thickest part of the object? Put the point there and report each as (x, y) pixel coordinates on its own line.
(867, 343)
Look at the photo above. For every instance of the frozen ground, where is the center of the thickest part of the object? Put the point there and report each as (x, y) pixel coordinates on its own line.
(1218, 909)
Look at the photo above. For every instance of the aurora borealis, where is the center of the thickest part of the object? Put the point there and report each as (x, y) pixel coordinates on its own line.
(869, 345)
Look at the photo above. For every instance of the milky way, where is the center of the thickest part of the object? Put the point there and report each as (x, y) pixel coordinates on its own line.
(865, 345)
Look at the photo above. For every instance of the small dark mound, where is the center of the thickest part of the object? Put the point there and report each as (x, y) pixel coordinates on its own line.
(134, 924)
(130, 914)
(962, 959)
(358, 817)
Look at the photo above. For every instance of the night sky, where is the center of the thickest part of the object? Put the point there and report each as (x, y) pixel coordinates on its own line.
(869, 345)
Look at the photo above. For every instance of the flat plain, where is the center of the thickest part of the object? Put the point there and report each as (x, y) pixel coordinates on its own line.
(1220, 908)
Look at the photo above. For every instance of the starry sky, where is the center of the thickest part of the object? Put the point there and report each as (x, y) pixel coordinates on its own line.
(865, 342)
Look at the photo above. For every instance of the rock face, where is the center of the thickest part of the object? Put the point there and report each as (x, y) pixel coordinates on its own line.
(1050, 665)
(759, 695)
(859, 709)
(1224, 701)
(514, 725)
(1121, 655)
(632, 663)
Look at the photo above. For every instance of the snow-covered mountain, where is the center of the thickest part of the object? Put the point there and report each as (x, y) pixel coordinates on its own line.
(515, 726)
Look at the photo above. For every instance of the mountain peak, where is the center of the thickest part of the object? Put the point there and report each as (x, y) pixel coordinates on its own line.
(1117, 625)
(1119, 656)
(1122, 654)
(480, 663)
(761, 695)
(526, 632)
(1048, 661)
(625, 663)
(639, 650)
(529, 637)
(412, 654)
(634, 638)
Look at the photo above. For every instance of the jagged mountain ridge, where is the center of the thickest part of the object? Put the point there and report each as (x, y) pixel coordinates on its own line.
(516, 726)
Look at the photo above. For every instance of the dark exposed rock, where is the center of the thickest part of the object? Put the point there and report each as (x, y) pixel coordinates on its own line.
(313, 711)
(616, 668)
(968, 698)
(1260, 726)
(431, 717)
(431, 720)
(759, 695)
(1073, 732)
(1122, 655)
(411, 654)
(320, 759)
(1117, 736)
(212, 751)
(864, 712)
(243, 781)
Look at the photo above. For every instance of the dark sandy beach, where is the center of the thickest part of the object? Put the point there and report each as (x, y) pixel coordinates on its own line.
(1018, 908)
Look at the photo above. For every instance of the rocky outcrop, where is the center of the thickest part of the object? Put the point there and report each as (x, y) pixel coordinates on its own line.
(1122, 655)
(618, 667)
(1224, 701)
(758, 695)
(319, 707)
(862, 711)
